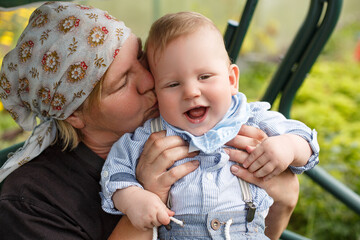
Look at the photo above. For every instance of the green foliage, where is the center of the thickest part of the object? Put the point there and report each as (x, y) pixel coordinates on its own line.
(9, 127)
(328, 101)
(253, 79)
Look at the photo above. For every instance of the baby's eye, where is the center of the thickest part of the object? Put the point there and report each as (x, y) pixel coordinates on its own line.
(204, 77)
(171, 85)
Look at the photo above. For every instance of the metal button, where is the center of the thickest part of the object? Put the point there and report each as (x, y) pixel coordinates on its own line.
(105, 174)
(215, 224)
(168, 227)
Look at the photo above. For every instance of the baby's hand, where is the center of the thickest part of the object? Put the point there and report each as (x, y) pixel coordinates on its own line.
(145, 209)
(271, 157)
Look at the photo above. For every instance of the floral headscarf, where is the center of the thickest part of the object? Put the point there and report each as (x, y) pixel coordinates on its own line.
(61, 55)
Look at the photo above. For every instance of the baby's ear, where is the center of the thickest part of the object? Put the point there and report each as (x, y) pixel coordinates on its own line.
(234, 73)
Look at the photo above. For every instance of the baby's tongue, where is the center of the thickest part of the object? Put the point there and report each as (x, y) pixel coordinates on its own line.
(196, 112)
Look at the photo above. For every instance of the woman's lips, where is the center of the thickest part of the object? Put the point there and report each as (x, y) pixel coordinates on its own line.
(196, 115)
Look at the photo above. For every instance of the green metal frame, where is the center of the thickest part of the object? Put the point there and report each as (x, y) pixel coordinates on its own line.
(16, 3)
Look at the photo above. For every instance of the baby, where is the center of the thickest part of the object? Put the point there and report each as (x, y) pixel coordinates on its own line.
(198, 98)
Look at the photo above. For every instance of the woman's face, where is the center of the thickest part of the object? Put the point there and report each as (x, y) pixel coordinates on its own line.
(127, 97)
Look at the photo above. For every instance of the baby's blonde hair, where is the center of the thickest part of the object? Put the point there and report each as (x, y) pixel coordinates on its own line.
(174, 25)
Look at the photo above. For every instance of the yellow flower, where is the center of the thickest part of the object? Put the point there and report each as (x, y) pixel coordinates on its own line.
(7, 38)
(6, 16)
(1, 107)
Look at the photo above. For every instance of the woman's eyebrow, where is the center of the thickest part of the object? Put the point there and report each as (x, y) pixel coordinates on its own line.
(139, 47)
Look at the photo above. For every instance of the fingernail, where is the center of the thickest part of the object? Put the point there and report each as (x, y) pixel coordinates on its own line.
(234, 168)
(196, 163)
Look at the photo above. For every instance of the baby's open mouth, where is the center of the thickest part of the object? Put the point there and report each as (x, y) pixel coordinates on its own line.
(196, 113)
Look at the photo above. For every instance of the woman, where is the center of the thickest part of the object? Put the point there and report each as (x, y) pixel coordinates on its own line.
(81, 72)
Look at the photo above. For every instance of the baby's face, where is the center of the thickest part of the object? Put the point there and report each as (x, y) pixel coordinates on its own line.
(194, 81)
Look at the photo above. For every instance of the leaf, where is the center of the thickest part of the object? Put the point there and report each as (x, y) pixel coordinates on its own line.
(44, 36)
(93, 16)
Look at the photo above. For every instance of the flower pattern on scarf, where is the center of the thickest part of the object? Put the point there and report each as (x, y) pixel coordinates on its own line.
(5, 84)
(13, 114)
(84, 7)
(97, 36)
(68, 23)
(77, 72)
(25, 51)
(50, 62)
(58, 101)
(44, 95)
(40, 20)
(27, 105)
(23, 85)
(108, 16)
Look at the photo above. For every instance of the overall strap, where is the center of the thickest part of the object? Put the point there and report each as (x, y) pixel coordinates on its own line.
(247, 197)
(156, 125)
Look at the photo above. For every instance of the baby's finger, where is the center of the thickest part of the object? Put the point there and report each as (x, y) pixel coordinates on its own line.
(257, 163)
(236, 155)
(265, 170)
(253, 157)
(250, 149)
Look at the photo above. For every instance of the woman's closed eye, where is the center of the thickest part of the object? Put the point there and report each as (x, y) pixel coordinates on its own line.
(122, 83)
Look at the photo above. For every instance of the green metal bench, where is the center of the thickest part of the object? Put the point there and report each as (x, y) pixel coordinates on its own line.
(317, 27)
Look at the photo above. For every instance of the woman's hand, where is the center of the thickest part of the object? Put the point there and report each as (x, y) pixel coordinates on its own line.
(159, 154)
(284, 188)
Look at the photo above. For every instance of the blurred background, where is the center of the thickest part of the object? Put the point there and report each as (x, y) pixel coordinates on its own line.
(328, 101)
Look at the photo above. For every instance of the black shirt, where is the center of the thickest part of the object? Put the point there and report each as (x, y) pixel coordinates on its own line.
(55, 196)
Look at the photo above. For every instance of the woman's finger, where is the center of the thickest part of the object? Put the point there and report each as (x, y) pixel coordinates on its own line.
(245, 175)
(169, 156)
(157, 143)
(149, 161)
(282, 188)
(178, 172)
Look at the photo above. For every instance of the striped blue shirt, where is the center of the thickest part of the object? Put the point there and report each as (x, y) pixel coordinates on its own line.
(211, 187)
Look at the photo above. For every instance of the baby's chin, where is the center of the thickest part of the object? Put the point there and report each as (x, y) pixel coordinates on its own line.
(198, 131)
